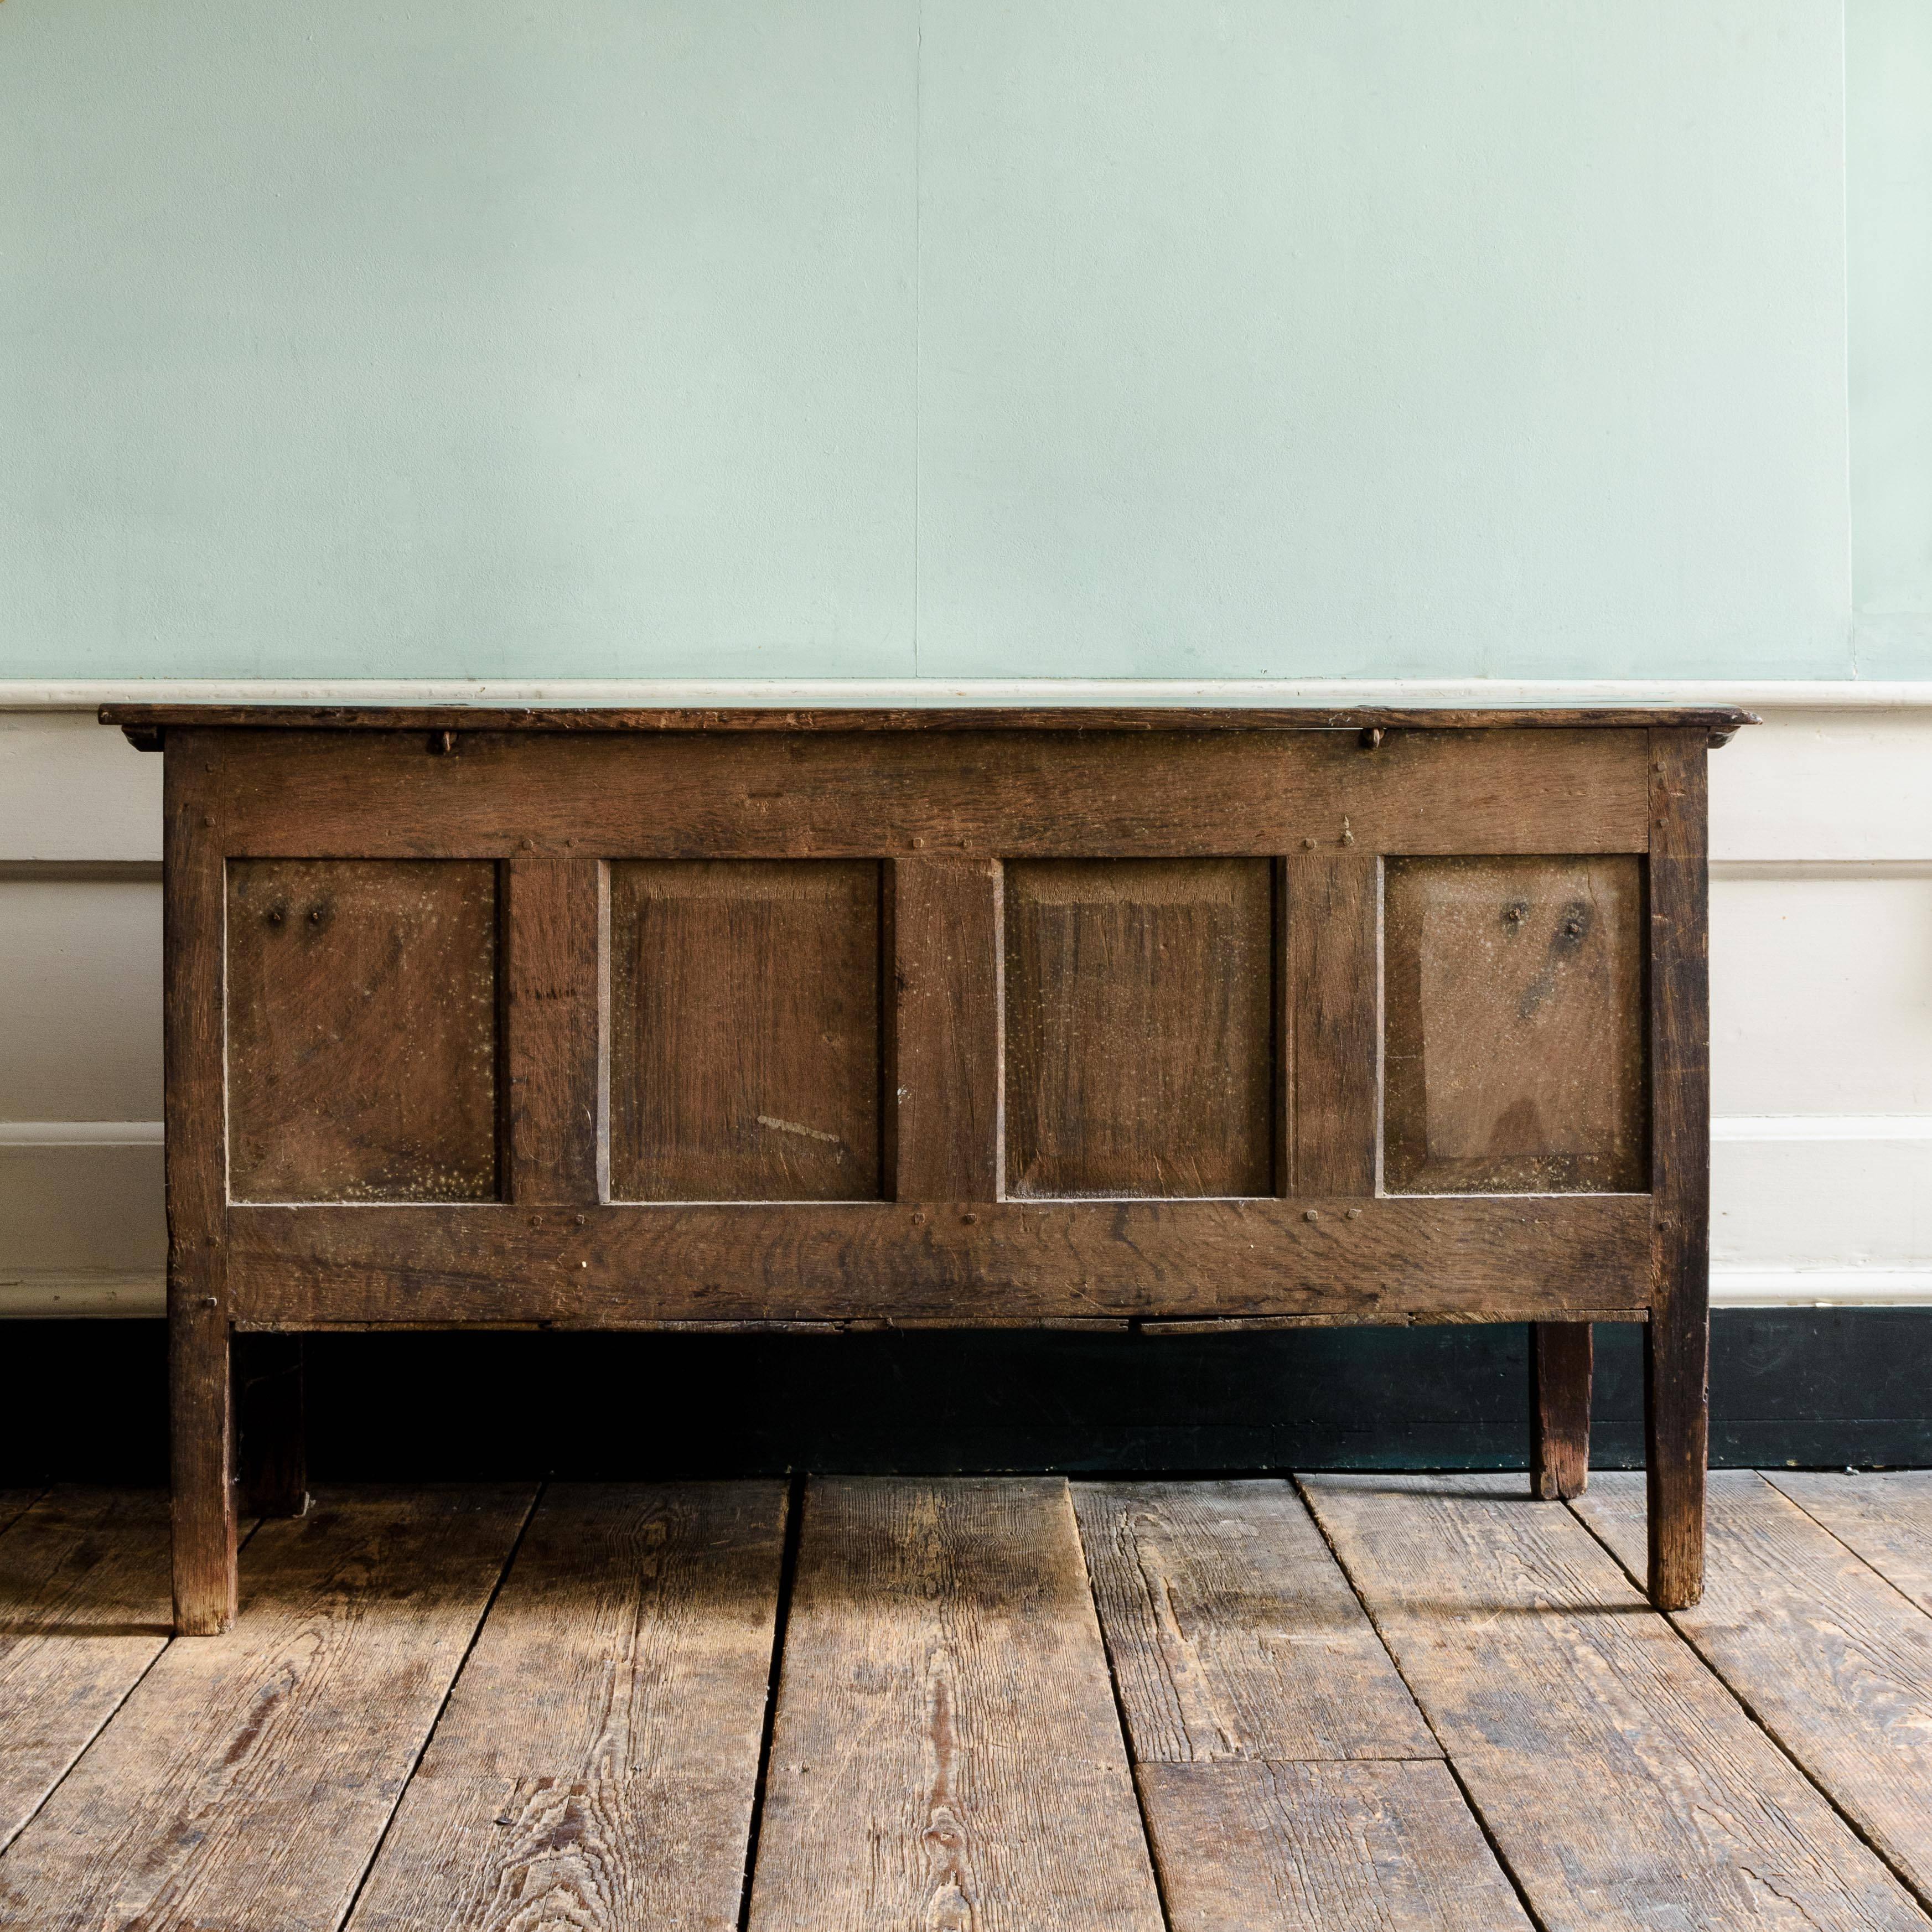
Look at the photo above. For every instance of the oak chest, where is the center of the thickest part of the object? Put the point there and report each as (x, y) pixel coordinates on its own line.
(608, 1019)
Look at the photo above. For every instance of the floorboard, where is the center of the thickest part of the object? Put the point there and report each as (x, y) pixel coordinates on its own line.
(1231, 1631)
(408, 1729)
(15, 1503)
(245, 1782)
(84, 1611)
(1618, 1777)
(595, 1767)
(1885, 1516)
(947, 1755)
(1256, 1693)
(1831, 1660)
(1330, 1847)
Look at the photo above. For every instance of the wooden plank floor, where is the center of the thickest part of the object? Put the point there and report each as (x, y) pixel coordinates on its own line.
(1421, 1704)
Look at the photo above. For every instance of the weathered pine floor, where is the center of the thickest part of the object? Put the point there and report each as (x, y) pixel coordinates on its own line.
(985, 1705)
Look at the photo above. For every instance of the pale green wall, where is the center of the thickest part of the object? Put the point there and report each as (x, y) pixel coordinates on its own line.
(863, 338)
(1889, 143)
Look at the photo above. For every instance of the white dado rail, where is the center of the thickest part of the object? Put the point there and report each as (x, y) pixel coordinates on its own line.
(1821, 962)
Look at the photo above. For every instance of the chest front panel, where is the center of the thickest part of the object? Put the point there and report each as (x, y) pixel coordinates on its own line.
(965, 1026)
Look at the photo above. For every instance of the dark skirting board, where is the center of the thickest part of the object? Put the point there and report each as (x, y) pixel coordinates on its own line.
(1814, 1387)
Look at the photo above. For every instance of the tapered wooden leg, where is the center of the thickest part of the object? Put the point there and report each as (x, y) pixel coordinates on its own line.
(269, 1412)
(202, 1454)
(1676, 1431)
(1560, 1358)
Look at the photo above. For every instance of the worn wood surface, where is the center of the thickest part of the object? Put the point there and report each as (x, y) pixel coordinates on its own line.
(16, 1502)
(201, 1392)
(84, 1611)
(1237, 1324)
(1322, 1848)
(550, 1028)
(466, 718)
(1885, 1516)
(1140, 1027)
(1230, 1631)
(1515, 1029)
(1006, 794)
(361, 1027)
(949, 1044)
(1677, 1343)
(1562, 1359)
(1621, 1782)
(731, 974)
(745, 1041)
(1330, 993)
(596, 1764)
(1831, 1659)
(946, 1753)
(1497, 1259)
(248, 1777)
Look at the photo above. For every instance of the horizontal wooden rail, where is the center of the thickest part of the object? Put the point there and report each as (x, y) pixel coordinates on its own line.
(1072, 794)
(1515, 1258)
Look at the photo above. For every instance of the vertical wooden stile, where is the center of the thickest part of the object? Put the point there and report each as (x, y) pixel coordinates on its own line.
(1332, 1025)
(549, 973)
(947, 1025)
(1677, 1339)
(201, 1389)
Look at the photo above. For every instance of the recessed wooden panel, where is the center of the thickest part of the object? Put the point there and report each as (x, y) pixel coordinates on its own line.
(745, 1029)
(362, 1030)
(1140, 1036)
(1515, 1025)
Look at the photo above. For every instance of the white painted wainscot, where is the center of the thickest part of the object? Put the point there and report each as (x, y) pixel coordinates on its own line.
(1821, 967)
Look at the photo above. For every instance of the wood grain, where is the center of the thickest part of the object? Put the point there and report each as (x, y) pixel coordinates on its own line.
(1332, 1025)
(1827, 1655)
(362, 1030)
(550, 1028)
(946, 1753)
(949, 1040)
(596, 1764)
(560, 719)
(201, 1393)
(745, 1038)
(1139, 1025)
(1886, 1516)
(248, 1777)
(15, 1503)
(84, 1610)
(1561, 1362)
(1231, 1633)
(1620, 1780)
(1516, 1031)
(1087, 793)
(1495, 1258)
(1677, 1344)
(1322, 1848)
